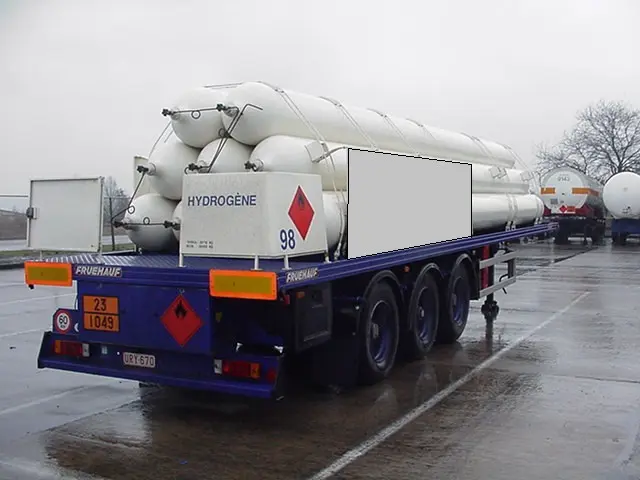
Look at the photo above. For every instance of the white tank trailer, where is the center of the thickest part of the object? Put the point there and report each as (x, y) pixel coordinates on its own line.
(573, 200)
(621, 195)
(283, 131)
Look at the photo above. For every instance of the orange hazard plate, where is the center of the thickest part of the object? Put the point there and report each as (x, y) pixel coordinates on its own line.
(101, 313)
(101, 322)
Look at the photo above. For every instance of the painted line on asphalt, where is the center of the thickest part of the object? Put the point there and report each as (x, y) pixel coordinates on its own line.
(27, 300)
(22, 332)
(46, 399)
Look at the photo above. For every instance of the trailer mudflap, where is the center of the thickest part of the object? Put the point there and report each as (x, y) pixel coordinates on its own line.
(243, 374)
(145, 316)
(312, 310)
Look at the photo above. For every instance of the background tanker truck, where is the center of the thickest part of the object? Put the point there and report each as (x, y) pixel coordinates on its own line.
(621, 196)
(574, 201)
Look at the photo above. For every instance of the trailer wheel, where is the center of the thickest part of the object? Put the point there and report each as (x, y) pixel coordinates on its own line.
(379, 330)
(619, 238)
(596, 238)
(454, 315)
(423, 313)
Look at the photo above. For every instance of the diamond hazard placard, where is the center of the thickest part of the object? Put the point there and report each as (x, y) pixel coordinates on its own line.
(301, 212)
(181, 320)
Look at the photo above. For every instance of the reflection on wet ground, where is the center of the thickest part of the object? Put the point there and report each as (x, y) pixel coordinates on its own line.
(561, 403)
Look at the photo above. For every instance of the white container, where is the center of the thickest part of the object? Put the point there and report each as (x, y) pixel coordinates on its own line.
(144, 222)
(176, 219)
(232, 157)
(621, 195)
(167, 165)
(492, 211)
(282, 153)
(196, 127)
(335, 125)
(141, 183)
(563, 190)
(244, 215)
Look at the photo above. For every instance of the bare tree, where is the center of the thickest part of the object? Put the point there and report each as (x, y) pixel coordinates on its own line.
(604, 141)
(116, 200)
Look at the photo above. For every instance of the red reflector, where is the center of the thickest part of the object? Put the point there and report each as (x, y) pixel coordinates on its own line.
(271, 375)
(240, 368)
(63, 347)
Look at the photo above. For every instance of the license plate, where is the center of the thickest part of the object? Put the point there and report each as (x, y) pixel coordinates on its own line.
(101, 322)
(139, 360)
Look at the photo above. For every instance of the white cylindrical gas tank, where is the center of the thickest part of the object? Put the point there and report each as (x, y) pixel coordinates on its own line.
(489, 179)
(336, 124)
(563, 190)
(200, 124)
(492, 211)
(176, 219)
(167, 164)
(232, 156)
(335, 214)
(621, 195)
(144, 222)
(529, 208)
(282, 153)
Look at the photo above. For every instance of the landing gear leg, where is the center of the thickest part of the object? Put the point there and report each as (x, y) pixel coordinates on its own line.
(490, 309)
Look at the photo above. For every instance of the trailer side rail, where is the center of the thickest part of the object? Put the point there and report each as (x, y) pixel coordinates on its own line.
(327, 272)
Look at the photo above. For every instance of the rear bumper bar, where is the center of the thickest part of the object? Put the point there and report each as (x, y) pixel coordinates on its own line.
(172, 369)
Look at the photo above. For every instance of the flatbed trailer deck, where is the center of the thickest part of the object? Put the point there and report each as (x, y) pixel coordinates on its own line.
(219, 325)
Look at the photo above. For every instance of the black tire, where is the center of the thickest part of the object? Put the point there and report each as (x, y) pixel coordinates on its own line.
(456, 305)
(375, 361)
(596, 238)
(423, 313)
(619, 239)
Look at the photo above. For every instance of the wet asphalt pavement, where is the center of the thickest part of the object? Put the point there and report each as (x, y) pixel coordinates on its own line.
(552, 391)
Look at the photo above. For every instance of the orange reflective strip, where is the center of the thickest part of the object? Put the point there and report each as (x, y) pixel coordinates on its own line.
(48, 273)
(243, 284)
(584, 191)
(547, 190)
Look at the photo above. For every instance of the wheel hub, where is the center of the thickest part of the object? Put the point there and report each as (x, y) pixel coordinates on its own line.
(378, 334)
(375, 331)
(425, 315)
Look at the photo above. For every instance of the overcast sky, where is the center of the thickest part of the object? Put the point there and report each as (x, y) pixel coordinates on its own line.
(83, 81)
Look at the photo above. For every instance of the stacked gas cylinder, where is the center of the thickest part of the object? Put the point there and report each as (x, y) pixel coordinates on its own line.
(257, 127)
